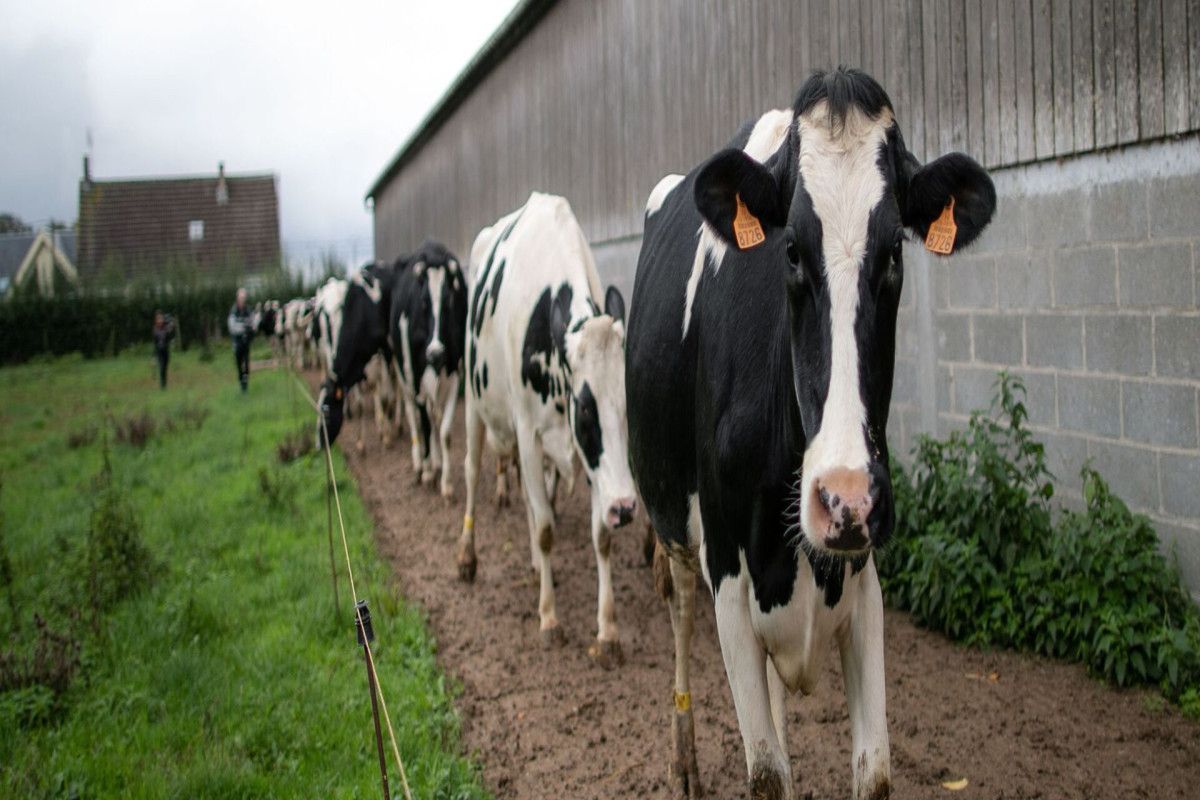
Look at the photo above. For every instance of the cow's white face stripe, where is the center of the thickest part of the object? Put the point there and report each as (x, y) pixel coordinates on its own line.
(841, 174)
(437, 277)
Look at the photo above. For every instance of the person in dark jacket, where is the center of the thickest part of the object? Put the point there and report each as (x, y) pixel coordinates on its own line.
(164, 332)
(241, 328)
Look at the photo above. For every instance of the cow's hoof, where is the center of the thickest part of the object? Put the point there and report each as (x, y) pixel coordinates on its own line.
(553, 637)
(466, 569)
(360, 448)
(447, 493)
(427, 478)
(607, 654)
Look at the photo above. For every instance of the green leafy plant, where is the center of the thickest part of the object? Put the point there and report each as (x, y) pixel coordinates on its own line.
(980, 556)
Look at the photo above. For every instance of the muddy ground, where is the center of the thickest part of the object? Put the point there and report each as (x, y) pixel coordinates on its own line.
(556, 725)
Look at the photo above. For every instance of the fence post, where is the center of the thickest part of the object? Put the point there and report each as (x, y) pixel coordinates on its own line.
(362, 624)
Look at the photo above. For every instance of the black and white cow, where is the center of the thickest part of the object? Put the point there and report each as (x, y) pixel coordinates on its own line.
(352, 334)
(759, 381)
(427, 326)
(546, 382)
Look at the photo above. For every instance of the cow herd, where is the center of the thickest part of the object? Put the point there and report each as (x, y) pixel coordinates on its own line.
(742, 401)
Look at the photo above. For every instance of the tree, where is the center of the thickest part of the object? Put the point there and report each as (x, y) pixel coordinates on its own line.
(11, 223)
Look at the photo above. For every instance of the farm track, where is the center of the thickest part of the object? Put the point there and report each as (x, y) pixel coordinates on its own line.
(554, 724)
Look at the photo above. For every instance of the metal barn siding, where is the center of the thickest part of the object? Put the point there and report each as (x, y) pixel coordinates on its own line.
(597, 100)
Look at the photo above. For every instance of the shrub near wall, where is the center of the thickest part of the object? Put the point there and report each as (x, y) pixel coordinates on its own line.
(979, 556)
(97, 324)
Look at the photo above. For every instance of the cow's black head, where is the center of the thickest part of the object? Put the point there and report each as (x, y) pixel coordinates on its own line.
(332, 406)
(437, 313)
(835, 196)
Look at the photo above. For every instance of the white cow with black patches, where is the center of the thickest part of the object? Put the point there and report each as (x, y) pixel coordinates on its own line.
(760, 359)
(546, 374)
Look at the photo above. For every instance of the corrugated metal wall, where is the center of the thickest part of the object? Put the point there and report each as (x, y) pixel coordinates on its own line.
(606, 96)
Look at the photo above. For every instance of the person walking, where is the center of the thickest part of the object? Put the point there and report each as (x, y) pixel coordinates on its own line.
(241, 328)
(164, 332)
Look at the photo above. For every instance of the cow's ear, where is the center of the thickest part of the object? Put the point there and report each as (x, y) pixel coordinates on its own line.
(926, 192)
(453, 265)
(419, 268)
(560, 317)
(730, 175)
(614, 304)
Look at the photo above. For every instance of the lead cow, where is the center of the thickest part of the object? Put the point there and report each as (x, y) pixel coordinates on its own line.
(758, 384)
(546, 381)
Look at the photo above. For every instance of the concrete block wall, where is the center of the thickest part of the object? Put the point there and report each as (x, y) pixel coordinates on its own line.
(1085, 286)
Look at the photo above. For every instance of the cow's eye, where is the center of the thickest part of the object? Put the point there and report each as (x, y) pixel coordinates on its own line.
(897, 251)
(793, 251)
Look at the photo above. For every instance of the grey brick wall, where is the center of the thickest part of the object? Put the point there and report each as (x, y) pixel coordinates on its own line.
(1085, 285)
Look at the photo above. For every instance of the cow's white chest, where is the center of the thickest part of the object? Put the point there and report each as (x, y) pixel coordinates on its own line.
(799, 635)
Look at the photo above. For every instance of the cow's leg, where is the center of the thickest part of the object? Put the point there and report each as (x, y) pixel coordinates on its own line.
(552, 477)
(410, 411)
(444, 431)
(778, 692)
(434, 462)
(607, 650)
(746, 667)
(502, 499)
(676, 585)
(428, 442)
(861, 646)
(466, 542)
(541, 528)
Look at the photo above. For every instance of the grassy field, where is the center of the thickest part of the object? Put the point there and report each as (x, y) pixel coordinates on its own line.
(224, 672)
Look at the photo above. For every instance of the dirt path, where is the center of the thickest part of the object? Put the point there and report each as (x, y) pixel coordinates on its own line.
(555, 725)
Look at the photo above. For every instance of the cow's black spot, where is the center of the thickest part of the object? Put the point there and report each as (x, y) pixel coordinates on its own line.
(829, 572)
(475, 383)
(563, 301)
(587, 427)
(538, 342)
(484, 375)
(496, 284)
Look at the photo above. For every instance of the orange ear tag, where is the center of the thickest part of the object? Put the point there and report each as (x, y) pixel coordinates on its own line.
(746, 227)
(940, 238)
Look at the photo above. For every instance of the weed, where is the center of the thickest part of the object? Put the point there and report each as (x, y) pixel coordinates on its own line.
(295, 445)
(119, 564)
(135, 430)
(81, 437)
(980, 557)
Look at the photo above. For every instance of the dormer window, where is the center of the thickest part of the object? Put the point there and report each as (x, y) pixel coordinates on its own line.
(196, 230)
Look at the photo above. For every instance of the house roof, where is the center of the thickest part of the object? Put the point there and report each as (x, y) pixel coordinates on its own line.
(146, 222)
(15, 247)
(516, 26)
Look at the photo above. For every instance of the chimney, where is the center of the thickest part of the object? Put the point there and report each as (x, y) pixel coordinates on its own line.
(87, 171)
(222, 186)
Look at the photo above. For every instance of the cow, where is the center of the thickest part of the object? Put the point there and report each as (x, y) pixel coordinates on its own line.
(545, 370)
(427, 326)
(326, 323)
(268, 324)
(759, 373)
(291, 326)
(353, 332)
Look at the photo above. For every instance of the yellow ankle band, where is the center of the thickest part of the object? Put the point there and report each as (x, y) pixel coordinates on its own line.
(683, 702)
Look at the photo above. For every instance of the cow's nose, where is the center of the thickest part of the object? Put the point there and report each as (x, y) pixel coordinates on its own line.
(844, 502)
(621, 512)
(435, 354)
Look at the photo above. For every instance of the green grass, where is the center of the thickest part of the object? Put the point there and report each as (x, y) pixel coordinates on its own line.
(228, 675)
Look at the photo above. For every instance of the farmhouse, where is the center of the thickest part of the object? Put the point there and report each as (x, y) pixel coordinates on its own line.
(1084, 285)
(41, 262)
(213, 224)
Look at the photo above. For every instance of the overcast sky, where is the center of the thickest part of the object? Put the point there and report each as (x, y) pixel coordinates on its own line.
(321, 94)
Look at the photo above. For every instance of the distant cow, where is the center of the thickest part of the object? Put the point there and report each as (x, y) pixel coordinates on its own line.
(353, 333)
(546, 375)
(760, 360)
(291, 325)
(427, 325)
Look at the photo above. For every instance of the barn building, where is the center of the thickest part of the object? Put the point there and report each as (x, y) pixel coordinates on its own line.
(1085, 112)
